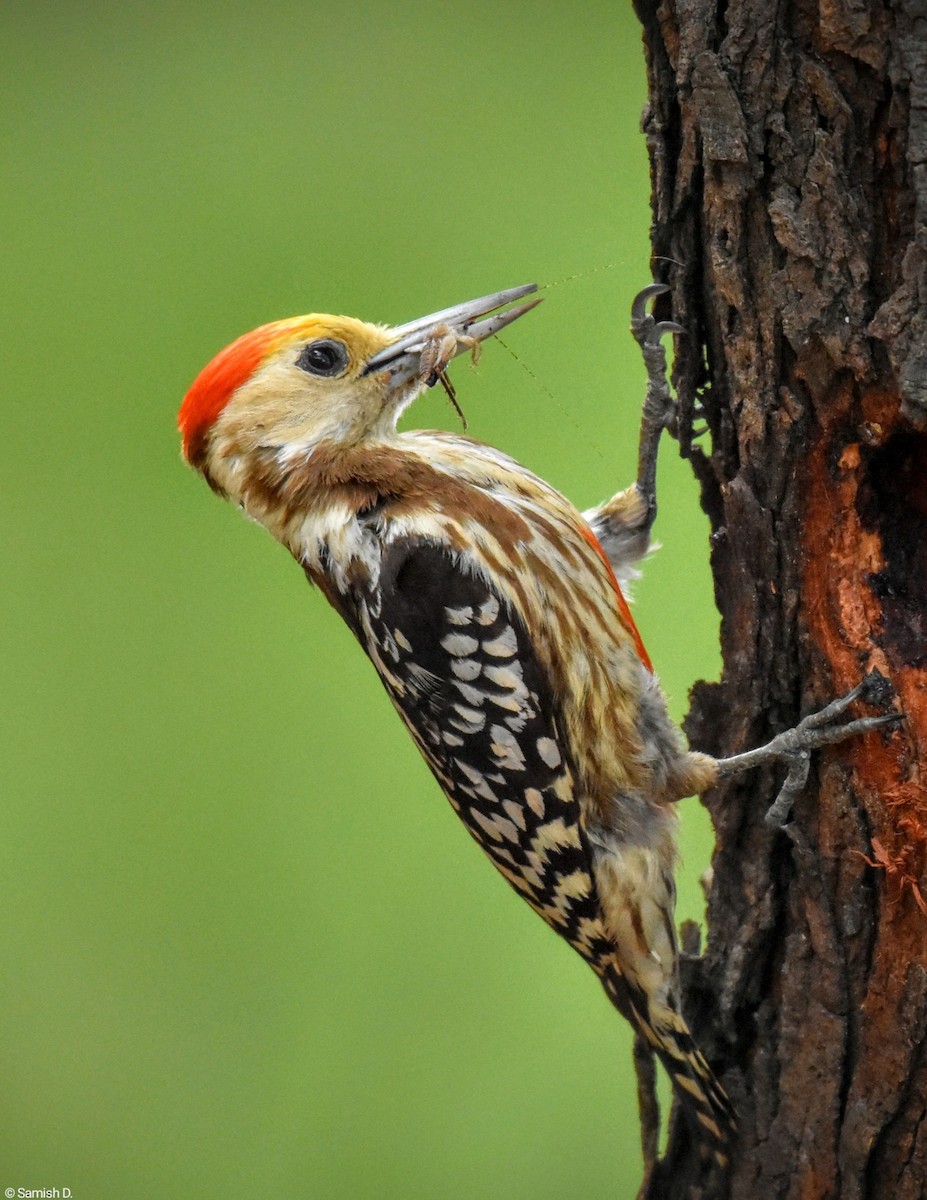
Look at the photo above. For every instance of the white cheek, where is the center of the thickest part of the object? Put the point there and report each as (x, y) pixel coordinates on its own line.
(336, 427)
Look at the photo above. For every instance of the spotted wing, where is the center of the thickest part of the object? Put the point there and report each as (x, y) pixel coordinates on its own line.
(463, 673)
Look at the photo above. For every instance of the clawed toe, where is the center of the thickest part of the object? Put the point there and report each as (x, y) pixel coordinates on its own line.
(819, 728)
(639, 313)
(659, 411)
(645, 329)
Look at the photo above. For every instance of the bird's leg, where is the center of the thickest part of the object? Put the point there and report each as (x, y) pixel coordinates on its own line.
(659, 405)
(817, 729)
(623, 523)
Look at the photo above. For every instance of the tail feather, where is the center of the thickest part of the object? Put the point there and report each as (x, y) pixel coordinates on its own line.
(696, 1085)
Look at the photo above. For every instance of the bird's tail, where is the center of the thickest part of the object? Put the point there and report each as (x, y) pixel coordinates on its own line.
(665, 1030)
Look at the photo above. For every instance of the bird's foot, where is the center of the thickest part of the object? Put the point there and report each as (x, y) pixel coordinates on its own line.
(817, 729)
(659, 404)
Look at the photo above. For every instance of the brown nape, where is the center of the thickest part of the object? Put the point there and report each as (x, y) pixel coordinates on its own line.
(367, 477)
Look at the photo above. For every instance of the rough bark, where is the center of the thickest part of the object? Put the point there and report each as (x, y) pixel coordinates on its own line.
(788, 147)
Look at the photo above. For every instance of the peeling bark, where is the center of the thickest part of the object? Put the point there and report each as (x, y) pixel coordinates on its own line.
(788, 148)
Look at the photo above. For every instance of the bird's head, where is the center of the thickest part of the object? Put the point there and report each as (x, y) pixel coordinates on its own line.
(294, 384)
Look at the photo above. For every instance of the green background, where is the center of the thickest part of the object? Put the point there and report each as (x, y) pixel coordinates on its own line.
(245, 948)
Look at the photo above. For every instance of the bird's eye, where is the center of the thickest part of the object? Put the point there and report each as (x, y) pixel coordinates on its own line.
(326, 357)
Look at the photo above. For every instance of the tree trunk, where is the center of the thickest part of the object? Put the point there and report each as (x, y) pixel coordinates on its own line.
(788, 148)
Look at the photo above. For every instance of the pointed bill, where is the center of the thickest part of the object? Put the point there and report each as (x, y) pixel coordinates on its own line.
(475, 320)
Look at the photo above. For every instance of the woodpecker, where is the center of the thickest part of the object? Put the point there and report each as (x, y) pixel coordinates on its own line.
(493, 613)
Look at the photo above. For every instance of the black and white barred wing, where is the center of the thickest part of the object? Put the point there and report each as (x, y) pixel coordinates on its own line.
(462, 671)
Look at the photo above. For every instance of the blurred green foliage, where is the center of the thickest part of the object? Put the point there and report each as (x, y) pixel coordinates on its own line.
(246, 948)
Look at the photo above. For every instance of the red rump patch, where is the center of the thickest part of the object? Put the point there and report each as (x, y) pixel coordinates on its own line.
(212, 388)
(623, 611)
